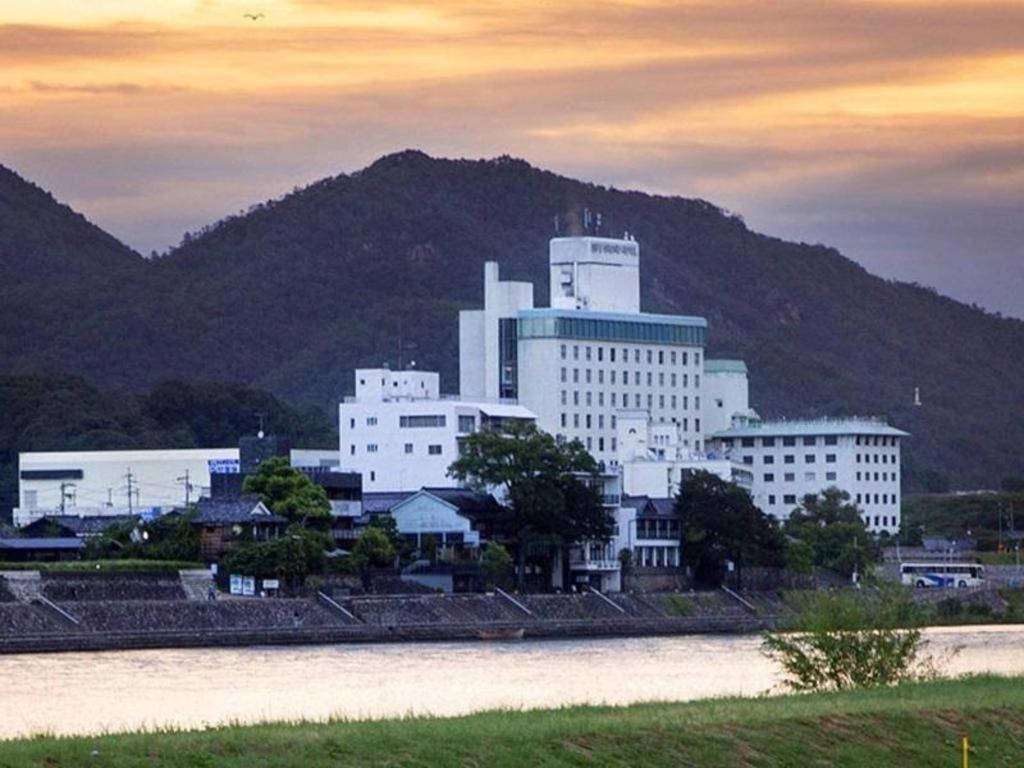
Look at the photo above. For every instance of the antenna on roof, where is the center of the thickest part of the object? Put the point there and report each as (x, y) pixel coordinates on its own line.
(917, 397)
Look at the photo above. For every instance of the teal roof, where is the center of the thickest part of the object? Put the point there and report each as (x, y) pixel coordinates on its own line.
(725, 366)
(850, 426)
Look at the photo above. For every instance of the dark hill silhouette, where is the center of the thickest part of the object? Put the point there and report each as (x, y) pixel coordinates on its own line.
(292, 295)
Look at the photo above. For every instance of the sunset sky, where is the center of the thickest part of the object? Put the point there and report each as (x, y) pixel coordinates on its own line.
(892, 129)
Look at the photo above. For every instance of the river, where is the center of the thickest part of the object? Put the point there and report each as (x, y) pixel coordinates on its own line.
(82, 693)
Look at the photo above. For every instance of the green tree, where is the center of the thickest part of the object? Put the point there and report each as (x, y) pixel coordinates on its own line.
(289, 492)
(552, 490)
(719, 522)
(835, 532)
(373, 549)
(851, 639)
(497, 565)
(300, 552)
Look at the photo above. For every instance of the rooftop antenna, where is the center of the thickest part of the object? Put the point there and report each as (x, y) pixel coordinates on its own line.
(558, 225)
(917, 397)
(260, 416)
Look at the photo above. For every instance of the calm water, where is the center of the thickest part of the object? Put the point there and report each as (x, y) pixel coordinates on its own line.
(93, 692)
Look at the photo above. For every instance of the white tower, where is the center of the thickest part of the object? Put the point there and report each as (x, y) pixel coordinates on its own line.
(600, 274)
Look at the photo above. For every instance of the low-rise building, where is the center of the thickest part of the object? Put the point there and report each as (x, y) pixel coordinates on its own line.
(792, 459)
(401, 434)
(92, 483)
(225, 524)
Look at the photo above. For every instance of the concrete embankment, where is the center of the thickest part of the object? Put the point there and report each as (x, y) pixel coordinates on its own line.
(79, 612)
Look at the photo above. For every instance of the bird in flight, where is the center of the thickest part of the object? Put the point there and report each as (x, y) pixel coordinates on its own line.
(253, 16)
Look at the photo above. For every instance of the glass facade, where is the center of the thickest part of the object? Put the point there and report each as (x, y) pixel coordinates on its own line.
(597, 329)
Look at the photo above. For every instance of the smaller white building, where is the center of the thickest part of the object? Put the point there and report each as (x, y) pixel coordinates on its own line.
(401, 434)
(116, 482)
(792, 459)
(655, 459)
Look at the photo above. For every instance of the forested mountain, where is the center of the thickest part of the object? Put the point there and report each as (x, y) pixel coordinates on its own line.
(292, 295)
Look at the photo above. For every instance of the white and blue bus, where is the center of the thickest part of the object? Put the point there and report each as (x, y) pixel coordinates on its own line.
(942, 574)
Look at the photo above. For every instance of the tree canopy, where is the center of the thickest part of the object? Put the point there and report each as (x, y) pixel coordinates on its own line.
(832, 532)
(718, 523)
(551, 490)
(289, 492)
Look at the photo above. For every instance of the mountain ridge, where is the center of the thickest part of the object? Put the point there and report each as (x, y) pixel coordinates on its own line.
(299, 290)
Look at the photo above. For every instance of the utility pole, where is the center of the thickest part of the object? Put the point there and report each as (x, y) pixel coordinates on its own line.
(64, 495)
(188, 486)
(130, 478)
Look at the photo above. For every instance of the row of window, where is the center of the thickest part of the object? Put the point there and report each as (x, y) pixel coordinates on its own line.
(660, 356)
(432, 450)
(875, 440)
(876, 458)
(613, 400)
(884, 498)
(769, 442)
(790, 477)
(884, 477)
(588, 377)
(682, 333)
(809, 458)
(588, 421)
(435, 421)
(883, 518)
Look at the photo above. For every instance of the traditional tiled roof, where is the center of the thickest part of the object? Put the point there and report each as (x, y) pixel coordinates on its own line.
(246, 509)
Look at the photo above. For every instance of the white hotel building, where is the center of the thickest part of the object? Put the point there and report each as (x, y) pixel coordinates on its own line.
(791, 459)
(592, 353)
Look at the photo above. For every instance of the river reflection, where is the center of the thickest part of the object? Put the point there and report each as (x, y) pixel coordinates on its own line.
(93, 692)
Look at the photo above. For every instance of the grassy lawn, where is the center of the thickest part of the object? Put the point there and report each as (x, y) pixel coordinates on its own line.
(913, 725)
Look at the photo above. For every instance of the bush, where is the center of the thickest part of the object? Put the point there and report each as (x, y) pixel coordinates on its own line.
(852, 639)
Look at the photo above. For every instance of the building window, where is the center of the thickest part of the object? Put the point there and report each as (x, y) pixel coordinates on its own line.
(371, 448)
(809, 458)
(809, 477)
(789, 477)
(789, 441)
(588, 354)
(576, 421)
(831, 440)
(565, 397)
(768, 442)
(588, 420)
(412, 422)
(789, 459)
(575, 352)
(830, 458)
(563, 352)
(352, 449)
(575, 375)
(563, 375)
(600, 443)
(468, 423)
(408, 447)
(434, 450)
(789, 498)
(352, 423)
(747, 442)
(371, 421)
(564, 420)
(588, 399)
(748, 460)
(769, 459)
(830, 476)
(769, 477)
(771, 499)
(575, 397)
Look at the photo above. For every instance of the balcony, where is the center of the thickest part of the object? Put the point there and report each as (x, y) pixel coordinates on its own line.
(346, 508)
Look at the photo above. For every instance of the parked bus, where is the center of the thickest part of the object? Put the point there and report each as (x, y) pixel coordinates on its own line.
(942, 574)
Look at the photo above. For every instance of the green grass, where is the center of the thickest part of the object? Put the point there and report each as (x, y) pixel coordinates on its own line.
(73, 566)
(676, 605)
(913, 725)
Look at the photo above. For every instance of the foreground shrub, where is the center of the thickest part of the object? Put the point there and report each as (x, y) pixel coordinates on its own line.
(852, 639)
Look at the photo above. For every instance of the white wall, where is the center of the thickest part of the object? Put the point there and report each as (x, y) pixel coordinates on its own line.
(724, 395)
(595, 273)
(157, 476)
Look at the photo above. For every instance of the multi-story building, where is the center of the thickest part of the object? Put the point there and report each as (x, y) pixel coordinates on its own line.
(401, 434)
(791, 459)
(592, 353)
